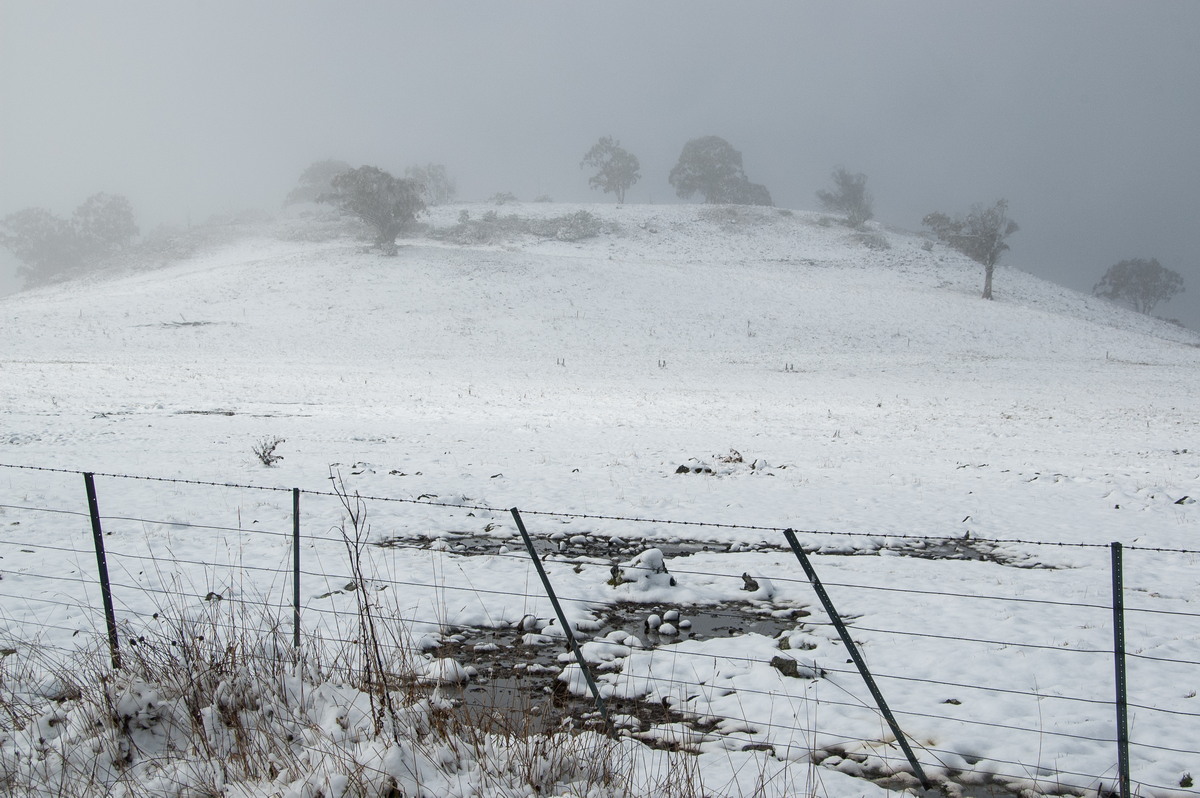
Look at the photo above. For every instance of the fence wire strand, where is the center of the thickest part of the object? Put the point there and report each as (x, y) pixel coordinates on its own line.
(171, 596)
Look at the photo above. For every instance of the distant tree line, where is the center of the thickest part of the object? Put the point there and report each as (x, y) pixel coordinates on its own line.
(49, 246)
(432, 181)
(709, 167)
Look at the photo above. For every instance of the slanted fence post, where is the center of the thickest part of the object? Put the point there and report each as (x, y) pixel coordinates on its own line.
(562, 618)
(110, 616)
(1119, 663)
(859, 663)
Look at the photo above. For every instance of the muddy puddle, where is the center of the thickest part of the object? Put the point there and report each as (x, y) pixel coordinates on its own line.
(516, 685)
(604, 547)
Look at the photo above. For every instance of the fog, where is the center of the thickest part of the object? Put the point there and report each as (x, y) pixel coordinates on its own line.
(1084, 115)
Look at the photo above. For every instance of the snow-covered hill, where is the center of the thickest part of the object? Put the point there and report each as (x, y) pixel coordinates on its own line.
(680, 332)
(874, 392)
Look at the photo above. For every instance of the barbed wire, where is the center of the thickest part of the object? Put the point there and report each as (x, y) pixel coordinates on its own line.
(520, 554)
(283, 606)
(589, 516)
(260, 602)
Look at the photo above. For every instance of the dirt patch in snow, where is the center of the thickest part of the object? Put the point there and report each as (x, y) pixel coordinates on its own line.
(585, 546)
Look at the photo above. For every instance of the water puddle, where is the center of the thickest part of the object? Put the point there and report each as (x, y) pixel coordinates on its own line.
(516, 687)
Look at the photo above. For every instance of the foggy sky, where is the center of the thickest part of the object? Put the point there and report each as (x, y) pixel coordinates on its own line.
(1084, 115)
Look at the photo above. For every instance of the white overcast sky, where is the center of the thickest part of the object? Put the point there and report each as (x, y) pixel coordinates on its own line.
(1084, 115)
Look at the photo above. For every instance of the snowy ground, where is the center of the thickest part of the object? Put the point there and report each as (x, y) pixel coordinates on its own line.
(869, 393)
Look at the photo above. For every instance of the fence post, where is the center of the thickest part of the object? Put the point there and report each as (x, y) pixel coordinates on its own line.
(1118, 589)
(110, 617)
(562, 619)
(827, 603)
(296, 567)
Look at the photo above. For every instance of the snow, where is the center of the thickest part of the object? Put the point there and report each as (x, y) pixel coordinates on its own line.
(860, 396)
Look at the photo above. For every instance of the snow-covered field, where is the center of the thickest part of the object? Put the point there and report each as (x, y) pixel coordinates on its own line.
(870, 397)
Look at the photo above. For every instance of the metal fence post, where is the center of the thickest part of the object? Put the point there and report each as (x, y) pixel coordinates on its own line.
(296, 567)
(859, 663)
(1119, 663)
(110, 617)
(562, 618)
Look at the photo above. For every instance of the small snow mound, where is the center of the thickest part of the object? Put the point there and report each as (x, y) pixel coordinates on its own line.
(444, 670)
(645, 571)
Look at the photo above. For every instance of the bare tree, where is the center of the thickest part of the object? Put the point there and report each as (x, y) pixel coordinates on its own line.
(980, 236)
(386, 203)
(849, 197)
(616, 168)
(1139, 283)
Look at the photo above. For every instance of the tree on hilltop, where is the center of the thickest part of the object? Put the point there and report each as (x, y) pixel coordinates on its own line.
(316, 180)
(104, 224)
(711, 167)
(980, 235)
(849, 197)
(1139, 283)
(388, 204)
(48, 246)
(616, 168)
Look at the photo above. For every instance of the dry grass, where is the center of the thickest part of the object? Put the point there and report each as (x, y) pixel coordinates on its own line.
(213, 700)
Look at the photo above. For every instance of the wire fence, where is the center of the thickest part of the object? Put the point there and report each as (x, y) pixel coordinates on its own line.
(1020, 675)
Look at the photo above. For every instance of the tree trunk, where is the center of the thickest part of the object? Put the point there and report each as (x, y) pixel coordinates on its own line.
(988, 268)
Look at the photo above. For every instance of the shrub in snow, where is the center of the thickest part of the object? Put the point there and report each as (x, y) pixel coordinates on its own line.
(264, 450)
(492, 228)
(577, 226)
(203, 710)
(874, 241)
